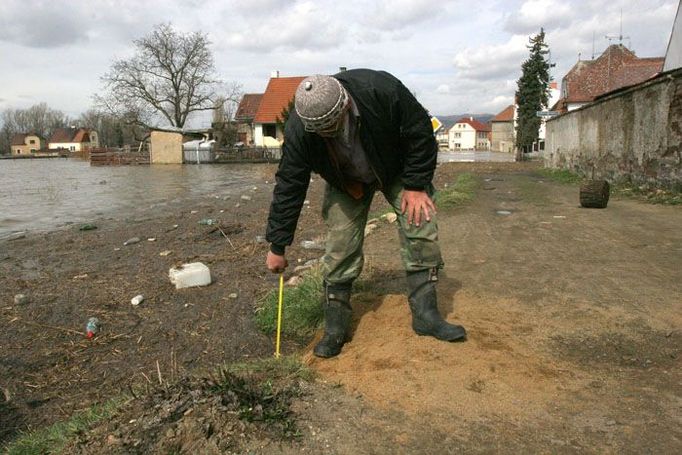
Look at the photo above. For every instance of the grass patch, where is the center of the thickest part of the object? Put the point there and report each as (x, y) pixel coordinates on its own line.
(560, 175)
(53, 438)
(261, 391)
(301, 311)
(647, 193)
(458, 193)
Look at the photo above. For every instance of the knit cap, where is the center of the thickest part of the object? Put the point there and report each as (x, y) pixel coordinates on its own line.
(320, 101)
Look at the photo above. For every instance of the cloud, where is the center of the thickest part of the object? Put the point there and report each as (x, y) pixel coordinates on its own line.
(443, 89)
(397, 14)
(302, 26)
(42, 25)
(492, 61)
(534, 14)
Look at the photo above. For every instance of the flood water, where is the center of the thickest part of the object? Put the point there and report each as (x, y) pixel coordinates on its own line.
(42, 194)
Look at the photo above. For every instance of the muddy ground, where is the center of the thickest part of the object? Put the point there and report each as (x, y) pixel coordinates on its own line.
(574, 319)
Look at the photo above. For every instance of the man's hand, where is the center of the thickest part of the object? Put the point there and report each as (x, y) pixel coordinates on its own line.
(414, 202)
(276, 263)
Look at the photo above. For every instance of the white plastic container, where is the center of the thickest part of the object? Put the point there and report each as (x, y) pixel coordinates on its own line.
(190, 275)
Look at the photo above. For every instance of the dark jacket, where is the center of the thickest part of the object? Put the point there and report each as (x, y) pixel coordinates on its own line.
(395, 132)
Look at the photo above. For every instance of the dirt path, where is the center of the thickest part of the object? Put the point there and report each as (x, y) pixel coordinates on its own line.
(574, 320)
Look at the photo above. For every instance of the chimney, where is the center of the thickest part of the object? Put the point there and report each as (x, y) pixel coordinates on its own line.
(274, 73)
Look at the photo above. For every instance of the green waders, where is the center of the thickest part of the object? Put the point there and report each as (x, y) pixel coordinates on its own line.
(343, 260)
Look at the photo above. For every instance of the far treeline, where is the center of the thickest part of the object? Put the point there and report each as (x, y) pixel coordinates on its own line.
(171, 76)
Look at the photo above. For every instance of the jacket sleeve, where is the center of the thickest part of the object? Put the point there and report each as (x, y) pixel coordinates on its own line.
(417, 141)
(291, 184)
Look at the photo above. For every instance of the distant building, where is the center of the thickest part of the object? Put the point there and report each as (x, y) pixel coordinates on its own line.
(73, 139)
(673, 56)
(26, 144)
(503, 130)
(469, 134)
(279, 92)
(246, 112)
(615, 68)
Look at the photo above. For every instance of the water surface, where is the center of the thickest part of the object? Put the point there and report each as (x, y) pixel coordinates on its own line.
(47, 193)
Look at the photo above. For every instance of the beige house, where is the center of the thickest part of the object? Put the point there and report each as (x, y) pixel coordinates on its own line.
(73, 139)
(469, 134)
(503, 132)
(26, 144)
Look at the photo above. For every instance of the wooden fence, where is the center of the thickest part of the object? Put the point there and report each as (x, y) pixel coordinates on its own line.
(247, 155)
(117, 157)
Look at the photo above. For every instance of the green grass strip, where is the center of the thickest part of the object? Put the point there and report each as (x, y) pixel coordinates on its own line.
(52, 439)
(458, 193)
(560, 175)
(301, 311)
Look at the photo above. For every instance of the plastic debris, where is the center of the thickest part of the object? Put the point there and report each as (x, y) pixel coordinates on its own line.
(260, 239)
(391, 217)
(312, 245)
(135, 301)
(294, 281)
(82, 276)
(165, 253)
(20, 299)
(131, 241)
(245, 197)
(190, 275)
(193, 211)
(559, 217)
(93, 327)
(208, 221)
(151, 239)
(87, 227)
(233, 295)
(503, 212)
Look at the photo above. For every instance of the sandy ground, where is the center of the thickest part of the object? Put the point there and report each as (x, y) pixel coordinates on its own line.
(574, 320)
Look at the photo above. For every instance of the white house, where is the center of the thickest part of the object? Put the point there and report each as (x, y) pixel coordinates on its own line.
(469, 134)
(73, 139)
(279, 92)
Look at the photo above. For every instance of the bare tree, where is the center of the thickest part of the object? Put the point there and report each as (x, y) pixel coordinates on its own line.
(171, 75)
(39, 119)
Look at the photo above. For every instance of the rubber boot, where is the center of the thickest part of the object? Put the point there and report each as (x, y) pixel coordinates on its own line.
(426, 320)
(337, 319)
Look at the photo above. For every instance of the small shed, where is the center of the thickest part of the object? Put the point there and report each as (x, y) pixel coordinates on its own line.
(165, 146)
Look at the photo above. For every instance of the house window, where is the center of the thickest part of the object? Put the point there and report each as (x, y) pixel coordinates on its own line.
(458, 145)
(458, 134)
(18, 151)
(270, 130)
(72, 148)
(33, 150)
(32, 141)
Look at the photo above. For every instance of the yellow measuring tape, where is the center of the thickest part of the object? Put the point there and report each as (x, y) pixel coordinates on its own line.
(279, 313)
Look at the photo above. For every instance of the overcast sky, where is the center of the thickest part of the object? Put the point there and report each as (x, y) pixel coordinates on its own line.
(458, 56)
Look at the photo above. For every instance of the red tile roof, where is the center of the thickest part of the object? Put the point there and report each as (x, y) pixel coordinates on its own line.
(279, 92)
(475, 124)
(615, 68)
(19, 139)
(65, 135)
(248, 106)
(507, 115)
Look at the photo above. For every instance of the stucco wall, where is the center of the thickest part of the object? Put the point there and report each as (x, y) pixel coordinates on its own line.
(503, 137)
(166, 147)
(632, 135)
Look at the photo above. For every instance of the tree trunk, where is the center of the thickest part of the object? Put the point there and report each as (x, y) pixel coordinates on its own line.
(594, 194)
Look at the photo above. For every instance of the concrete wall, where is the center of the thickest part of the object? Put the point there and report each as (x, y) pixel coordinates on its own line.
(166, 147)
(503, 137)
(632, 135)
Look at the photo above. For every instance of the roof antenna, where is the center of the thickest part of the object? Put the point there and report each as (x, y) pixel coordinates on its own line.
(620, 37)
(593, 44)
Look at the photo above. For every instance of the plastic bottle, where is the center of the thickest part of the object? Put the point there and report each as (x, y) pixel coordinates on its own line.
(92, 327)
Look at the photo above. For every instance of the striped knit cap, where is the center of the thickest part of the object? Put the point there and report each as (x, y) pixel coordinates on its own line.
(320, 101)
